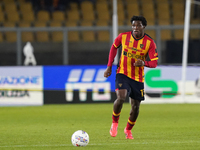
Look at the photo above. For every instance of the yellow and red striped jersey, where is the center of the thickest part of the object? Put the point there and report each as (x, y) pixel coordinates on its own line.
(133, 49)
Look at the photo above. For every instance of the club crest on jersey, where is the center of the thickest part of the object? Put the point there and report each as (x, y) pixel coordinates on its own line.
(141, 45)
(120, 85)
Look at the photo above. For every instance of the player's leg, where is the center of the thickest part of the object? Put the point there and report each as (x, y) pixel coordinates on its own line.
(121, 93)
(135, 105)
(118, 103)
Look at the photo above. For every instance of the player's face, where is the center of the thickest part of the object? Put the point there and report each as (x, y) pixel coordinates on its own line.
(138, 29)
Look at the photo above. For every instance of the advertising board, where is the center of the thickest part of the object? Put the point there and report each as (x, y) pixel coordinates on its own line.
(21, 86)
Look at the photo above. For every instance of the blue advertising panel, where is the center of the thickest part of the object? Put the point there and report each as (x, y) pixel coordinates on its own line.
(82, 83)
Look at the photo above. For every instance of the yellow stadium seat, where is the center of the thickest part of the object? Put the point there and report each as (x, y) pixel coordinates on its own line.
(149, 12)
(195, 34)
(103, 36)
(130, 1)
(132, 9)
(87, 36)
(43, 15)
(41, 36)
(86, 6)
(1, 37)
(2, 17)
(56, 36)
(28, 16)
(27, 36)
(165, 34)
(163, 10)
(103, 15)
(58, 16)
(178, 12)
(73, 15)
(10, 7)
(87, 11)
(73, 36)
(26, 7)
(13, 17)
(8, 1)
(73, 6)
(151, 33)
(178, 34)
(10, 36)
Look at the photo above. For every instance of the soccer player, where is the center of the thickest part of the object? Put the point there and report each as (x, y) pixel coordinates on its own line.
(138, 50)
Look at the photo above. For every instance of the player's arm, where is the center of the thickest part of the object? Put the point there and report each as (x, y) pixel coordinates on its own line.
(152, 57)
(112, 54)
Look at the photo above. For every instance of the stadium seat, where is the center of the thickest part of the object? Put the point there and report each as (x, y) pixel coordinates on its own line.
(73, 6)
(73, 15)
(56, 36)
(102, 11)
(87, 11)
(165, 34)
(87, 36)
(10, 36)
(2, 17)
(163, 11)
(195, 34)
(43, 15)
(27, 36)
(8, 1)
(103, 36)
(178, 34)
(149, 12)
(28, 16)
(151, 33)
(58, 16)
(178, 12)
(10, 7)
(128, 2)
(132, 9)
(73, 36)
(13, 17)
(26, 7)
(41, 36)
(1, 37)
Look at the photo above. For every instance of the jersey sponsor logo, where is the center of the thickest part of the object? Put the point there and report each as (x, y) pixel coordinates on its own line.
(84, 80)
(134, 56)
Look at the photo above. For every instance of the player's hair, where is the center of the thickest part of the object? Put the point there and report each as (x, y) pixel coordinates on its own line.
(139, 18)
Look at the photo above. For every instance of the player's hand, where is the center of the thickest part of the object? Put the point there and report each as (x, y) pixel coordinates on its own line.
(139, 63)
(108, 71)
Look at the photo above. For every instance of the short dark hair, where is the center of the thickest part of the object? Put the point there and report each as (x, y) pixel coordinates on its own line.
(139, 18)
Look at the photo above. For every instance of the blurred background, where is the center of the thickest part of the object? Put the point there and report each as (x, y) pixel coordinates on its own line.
(80, 31)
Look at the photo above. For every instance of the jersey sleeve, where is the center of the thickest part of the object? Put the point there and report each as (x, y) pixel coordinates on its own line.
(152, 53)
(113, 49)
(118, 41)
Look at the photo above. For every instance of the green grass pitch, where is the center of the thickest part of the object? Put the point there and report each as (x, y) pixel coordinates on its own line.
(159, 127)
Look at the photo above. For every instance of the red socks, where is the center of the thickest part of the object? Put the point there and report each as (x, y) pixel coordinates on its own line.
(130, 124)
(115, 117)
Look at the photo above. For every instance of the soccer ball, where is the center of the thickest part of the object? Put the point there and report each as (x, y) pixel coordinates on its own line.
(80, 138)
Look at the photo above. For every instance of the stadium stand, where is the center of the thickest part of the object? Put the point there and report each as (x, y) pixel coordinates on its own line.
(98, 13)
(73, 36)
(26, 36)
(10, 36)
(103, 36)
(41, 36)
(87, 36)
(56, 36)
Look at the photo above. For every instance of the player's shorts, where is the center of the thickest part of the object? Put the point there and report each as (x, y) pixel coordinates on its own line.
(135, 89)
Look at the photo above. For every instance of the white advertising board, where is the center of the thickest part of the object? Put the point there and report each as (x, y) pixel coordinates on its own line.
(163, 85)
(21, 86)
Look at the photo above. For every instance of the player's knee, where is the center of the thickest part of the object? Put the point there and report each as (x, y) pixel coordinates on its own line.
(121, 99)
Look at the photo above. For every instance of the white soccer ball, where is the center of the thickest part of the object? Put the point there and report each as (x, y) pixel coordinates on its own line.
(80, 138)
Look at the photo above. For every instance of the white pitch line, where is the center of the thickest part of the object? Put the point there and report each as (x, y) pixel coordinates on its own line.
(63, 145)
